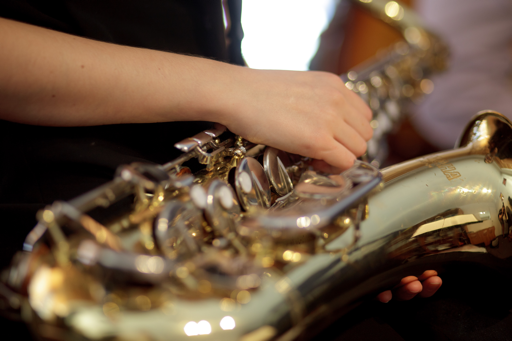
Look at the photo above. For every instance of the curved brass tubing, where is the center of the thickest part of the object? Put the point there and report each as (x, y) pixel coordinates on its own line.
(451, 207)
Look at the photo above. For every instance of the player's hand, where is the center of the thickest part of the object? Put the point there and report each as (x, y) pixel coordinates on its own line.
(425, 285)
(308, 113)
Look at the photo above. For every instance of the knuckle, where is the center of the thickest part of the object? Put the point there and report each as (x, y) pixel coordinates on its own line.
(331, 116)
(367, 112)
(333, 97)
(309, 145)
(334, 79)
(327, 76)
(368, 133)
(338, 157)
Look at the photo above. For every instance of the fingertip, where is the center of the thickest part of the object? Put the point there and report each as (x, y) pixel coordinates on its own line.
(342, 162)
(385, 296)
(431, 286)
(436, 281)
(337, 154)
(406, 280)
(409, 291)
(427, 274)
(350, 163)
(414, 287)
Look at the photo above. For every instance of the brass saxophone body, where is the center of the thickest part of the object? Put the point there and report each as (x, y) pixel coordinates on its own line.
(272, 274)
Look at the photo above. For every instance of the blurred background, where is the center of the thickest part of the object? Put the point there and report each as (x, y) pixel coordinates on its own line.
(326, 35)
(284, 34)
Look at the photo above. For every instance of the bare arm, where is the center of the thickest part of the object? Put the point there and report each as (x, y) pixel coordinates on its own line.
(56, 79)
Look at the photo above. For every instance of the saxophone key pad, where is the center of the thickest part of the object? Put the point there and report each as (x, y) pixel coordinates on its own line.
(275, 163)
(198, 196)
(252, 185)
(221, 206)
(245, 182)
(178, 228)
(225, 197)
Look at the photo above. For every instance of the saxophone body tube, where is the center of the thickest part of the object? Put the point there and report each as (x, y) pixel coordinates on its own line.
(217, 272)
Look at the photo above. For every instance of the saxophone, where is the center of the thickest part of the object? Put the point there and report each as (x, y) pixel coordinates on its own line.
(258, 246)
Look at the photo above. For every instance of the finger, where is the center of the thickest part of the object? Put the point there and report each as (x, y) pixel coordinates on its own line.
(358, 103)
(355, 111)
(338, 156)
(385, 296)
(361, 126)
(356, 119)
(427, 274)
(351, 139)
(406, 280)
(322, 166)
(430, 286)
(408, 291)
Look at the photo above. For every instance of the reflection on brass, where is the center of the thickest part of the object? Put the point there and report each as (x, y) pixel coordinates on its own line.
(275, 163)
(100, 232)
(252, 184)
(261, 334)
(462, 219)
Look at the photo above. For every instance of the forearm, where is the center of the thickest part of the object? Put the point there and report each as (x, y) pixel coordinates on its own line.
(52, 78)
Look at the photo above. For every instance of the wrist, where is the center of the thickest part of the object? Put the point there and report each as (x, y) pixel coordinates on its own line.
(201, 90)
(218, 91)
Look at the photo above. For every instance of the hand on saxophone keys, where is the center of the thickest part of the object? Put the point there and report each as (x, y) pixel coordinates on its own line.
(409, 287)
(312, 114)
